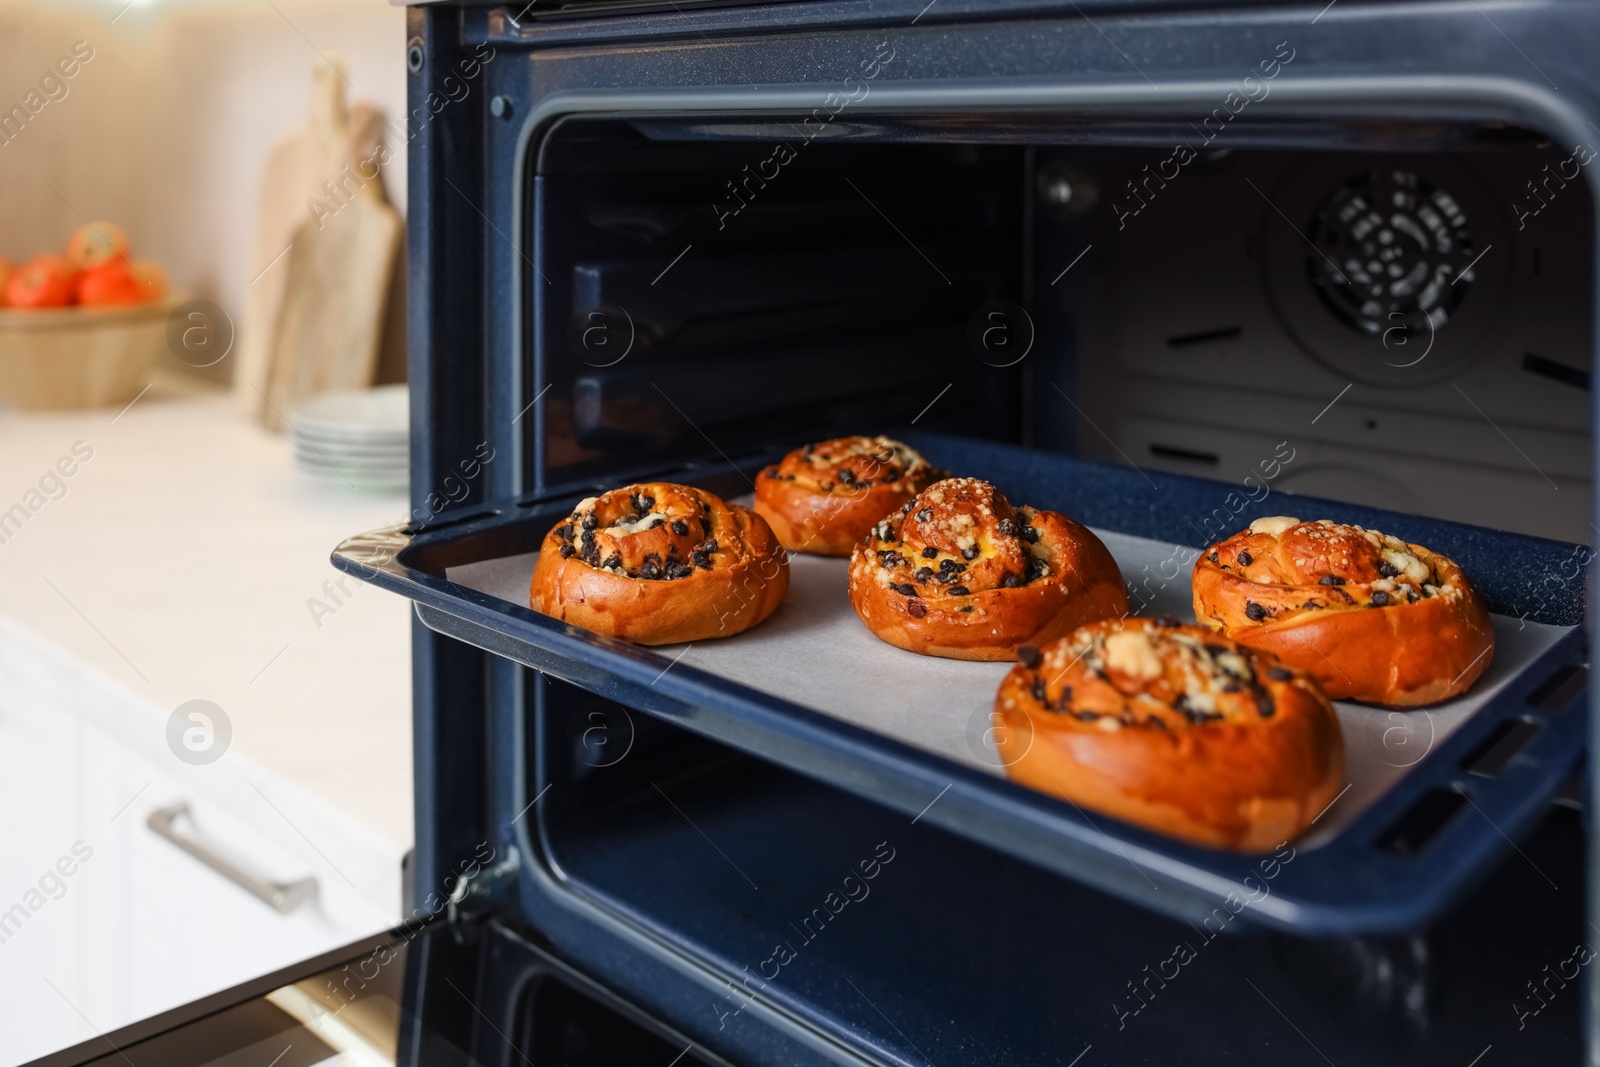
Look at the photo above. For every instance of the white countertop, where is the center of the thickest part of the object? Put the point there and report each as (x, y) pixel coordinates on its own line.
(182, 562)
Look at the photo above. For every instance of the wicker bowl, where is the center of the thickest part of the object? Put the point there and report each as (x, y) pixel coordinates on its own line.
(58, 359)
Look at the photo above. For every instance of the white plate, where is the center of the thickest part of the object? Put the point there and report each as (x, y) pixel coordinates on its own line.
(386, 441)
(354, 471)
(367, 481)
(381, 415)
(336, 452)
(359, 444)
(344, 459)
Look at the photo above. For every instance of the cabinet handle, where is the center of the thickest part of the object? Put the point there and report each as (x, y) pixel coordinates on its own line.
(282, 897)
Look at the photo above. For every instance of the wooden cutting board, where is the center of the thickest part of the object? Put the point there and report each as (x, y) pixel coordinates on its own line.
(335, 138)
(331, 321)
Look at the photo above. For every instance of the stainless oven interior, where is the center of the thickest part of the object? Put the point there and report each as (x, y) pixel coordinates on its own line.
(1406, 329)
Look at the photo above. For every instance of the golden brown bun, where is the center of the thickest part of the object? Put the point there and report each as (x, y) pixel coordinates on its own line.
(1174, 728)
(825, 497)
(1371, 617)
(958, 572)
(658, 564)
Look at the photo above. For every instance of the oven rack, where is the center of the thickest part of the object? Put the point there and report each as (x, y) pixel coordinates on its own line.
(1394, 867)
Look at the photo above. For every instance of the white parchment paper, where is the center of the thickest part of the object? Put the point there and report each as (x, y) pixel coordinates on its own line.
(815, 651)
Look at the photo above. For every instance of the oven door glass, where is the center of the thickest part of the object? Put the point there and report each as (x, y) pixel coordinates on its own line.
(450, 993)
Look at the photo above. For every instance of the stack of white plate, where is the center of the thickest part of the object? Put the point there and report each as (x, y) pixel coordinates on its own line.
(356, 439)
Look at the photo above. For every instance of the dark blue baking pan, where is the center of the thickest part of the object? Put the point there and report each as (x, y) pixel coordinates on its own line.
(1392, 868)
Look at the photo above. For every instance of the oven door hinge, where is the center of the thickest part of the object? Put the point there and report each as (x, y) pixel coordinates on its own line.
(487, 891)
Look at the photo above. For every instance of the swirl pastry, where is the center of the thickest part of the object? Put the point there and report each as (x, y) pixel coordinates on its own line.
(1174, 728)
(824, 498)
(658, 564)
(1371, 617)
(958, 572)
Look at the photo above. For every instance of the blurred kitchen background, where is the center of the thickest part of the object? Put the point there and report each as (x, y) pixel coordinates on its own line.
(205, 763)
(167, 130)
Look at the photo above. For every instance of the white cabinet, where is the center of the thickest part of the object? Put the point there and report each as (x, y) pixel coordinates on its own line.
(102, 921)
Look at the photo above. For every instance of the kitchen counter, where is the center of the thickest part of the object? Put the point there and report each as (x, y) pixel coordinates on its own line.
(185, 558)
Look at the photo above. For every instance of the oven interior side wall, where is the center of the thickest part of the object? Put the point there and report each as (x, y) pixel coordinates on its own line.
(712, 296)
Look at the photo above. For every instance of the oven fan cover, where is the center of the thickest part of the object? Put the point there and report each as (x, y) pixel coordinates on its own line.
(1394, 275)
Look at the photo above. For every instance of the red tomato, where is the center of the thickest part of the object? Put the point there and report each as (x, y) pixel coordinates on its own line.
(120, 282)
(6, 270)
(44, 282)
(95, 243)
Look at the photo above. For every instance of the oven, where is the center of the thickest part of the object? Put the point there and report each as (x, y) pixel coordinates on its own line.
(1093, 252)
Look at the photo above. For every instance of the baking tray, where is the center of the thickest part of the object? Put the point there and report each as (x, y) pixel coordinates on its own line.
(816, 652)
(1434, 797)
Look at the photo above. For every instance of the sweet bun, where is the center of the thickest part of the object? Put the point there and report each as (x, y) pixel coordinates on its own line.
(1173, 728)
(1372, 617)
(823, 498)
(659, 564)
(958, 572)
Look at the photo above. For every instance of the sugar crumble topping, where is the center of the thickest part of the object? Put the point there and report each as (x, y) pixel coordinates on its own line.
(1336, 565)
(1157, 674)
(956, 539)
(653, 532)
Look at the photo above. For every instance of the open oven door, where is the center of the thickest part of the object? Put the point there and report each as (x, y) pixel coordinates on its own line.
(430, 993)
